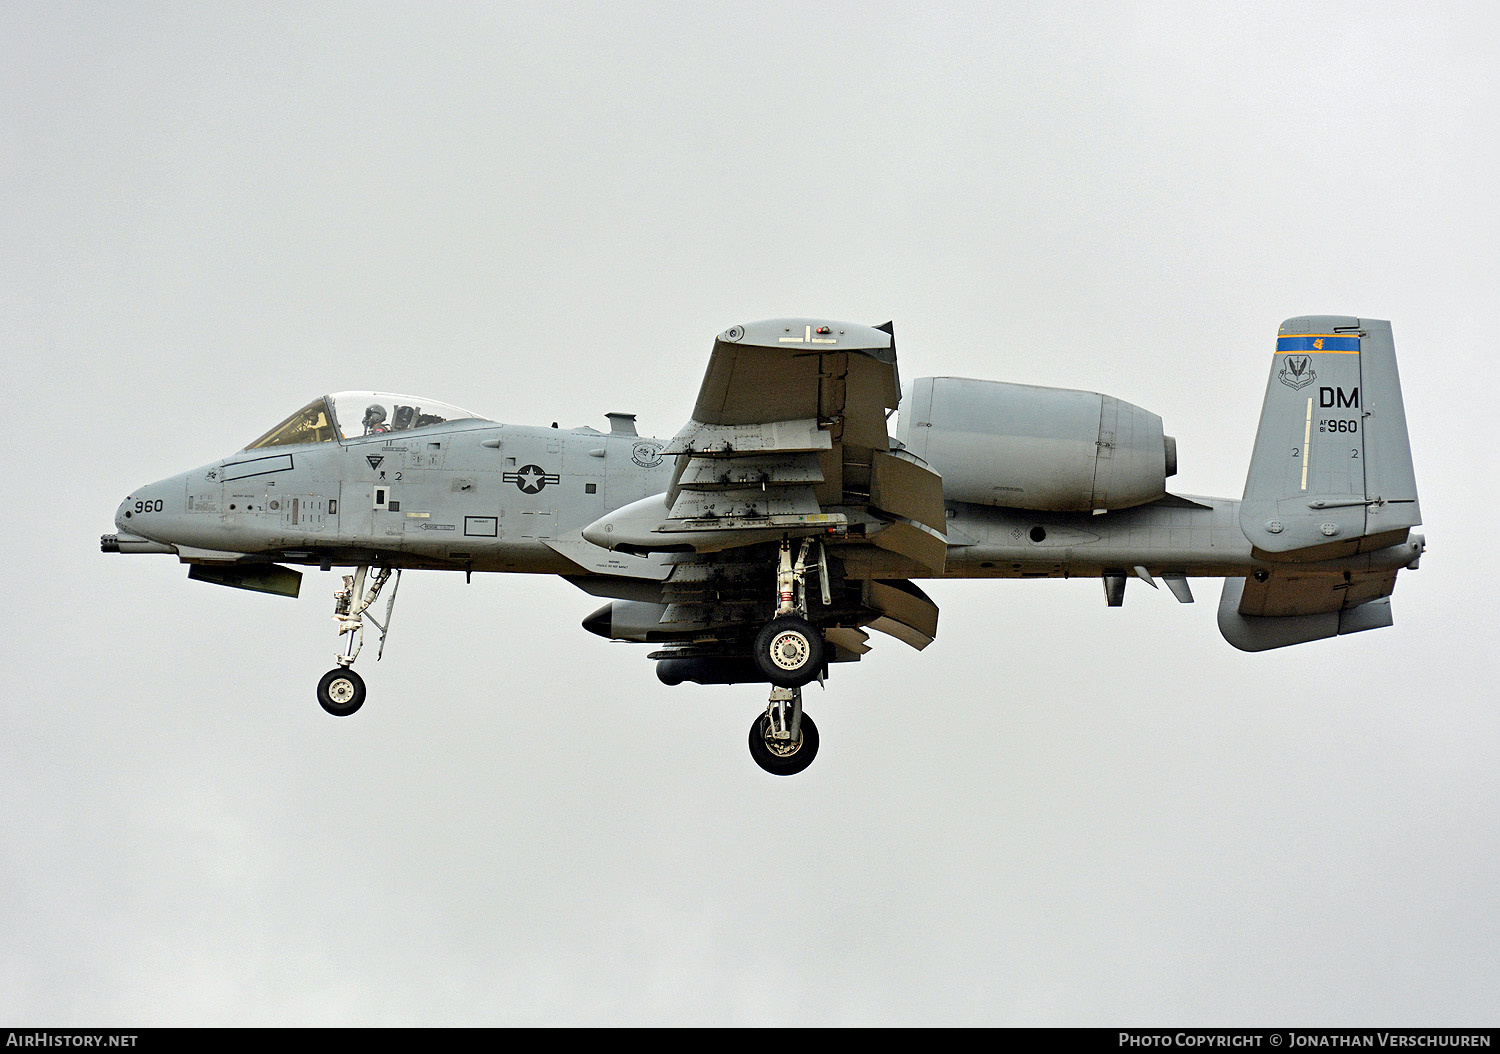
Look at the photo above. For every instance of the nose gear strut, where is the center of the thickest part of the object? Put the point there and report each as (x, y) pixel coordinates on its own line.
(342, 691)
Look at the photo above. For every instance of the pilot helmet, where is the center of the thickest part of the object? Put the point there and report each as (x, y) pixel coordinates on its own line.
(374, 415)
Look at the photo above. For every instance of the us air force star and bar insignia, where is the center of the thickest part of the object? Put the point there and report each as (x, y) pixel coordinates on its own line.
(531, 479)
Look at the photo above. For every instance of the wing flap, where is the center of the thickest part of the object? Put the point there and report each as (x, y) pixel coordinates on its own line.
(906, 489)
(905, 612)
(913, 542)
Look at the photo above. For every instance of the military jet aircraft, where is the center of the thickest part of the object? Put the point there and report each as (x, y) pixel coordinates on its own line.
(763, 540)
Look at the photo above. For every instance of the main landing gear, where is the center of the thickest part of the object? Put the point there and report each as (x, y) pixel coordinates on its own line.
(789, 652)
(789, 649)
(342, 691)
(784, 740)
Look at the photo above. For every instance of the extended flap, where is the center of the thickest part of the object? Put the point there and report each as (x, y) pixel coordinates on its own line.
(906, 489)
(906, 613)
(913, 542)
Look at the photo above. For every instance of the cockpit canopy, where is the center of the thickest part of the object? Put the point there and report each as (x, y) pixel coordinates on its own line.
(355, 415)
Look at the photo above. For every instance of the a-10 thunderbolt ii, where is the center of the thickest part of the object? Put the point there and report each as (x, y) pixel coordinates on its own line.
(761, 542)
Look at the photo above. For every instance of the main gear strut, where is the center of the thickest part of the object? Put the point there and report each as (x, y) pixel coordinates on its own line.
(784, 740)
(789, 649)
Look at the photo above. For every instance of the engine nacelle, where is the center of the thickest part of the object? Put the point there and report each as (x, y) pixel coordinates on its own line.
(1025, 447)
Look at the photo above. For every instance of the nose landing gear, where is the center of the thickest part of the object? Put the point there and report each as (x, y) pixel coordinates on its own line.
(342, 691)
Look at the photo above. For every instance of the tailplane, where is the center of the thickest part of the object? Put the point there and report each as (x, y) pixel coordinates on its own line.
(1331, 479)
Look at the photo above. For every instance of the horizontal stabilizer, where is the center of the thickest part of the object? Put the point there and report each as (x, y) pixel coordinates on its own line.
(1249, 631)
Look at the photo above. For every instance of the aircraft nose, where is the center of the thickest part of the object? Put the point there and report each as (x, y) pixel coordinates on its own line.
(150, 511)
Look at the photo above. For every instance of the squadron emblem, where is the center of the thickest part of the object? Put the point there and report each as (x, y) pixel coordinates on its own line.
(1297, 373)
(646, 455)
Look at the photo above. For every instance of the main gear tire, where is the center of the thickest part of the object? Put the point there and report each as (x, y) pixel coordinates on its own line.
(341, 691)
(777, 756)
(789, 651)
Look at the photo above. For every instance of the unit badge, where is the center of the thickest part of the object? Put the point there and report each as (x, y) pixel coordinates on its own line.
(1298, 373)
(646, 455)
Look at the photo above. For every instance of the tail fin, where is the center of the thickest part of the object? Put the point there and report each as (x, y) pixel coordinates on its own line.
(1331, 474)
(1331, 479)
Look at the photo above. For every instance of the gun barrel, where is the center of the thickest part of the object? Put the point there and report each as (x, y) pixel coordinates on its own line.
(130, 543)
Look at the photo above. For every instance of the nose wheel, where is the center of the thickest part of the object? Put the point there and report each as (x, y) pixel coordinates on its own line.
(341, 691)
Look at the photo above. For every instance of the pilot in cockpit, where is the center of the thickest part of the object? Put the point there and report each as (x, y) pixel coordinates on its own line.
(375, 420)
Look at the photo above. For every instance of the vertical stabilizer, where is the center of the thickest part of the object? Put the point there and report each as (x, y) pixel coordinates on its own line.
(1331, 474)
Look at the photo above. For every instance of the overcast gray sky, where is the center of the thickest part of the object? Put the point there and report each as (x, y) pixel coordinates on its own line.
(1056, 814)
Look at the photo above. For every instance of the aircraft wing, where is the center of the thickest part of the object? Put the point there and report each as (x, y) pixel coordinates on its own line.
(788, 436)
(792, 369)
(788, 441)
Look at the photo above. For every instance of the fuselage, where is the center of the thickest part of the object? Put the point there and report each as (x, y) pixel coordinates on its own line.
(762, 541)
(480, 496)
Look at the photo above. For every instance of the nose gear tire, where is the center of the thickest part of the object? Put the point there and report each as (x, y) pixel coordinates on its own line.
(341, 691)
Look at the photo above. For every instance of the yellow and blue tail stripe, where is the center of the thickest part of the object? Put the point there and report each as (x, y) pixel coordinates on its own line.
(1316, 343)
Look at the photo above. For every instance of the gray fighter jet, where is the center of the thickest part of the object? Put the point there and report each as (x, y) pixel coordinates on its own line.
(783, 522)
